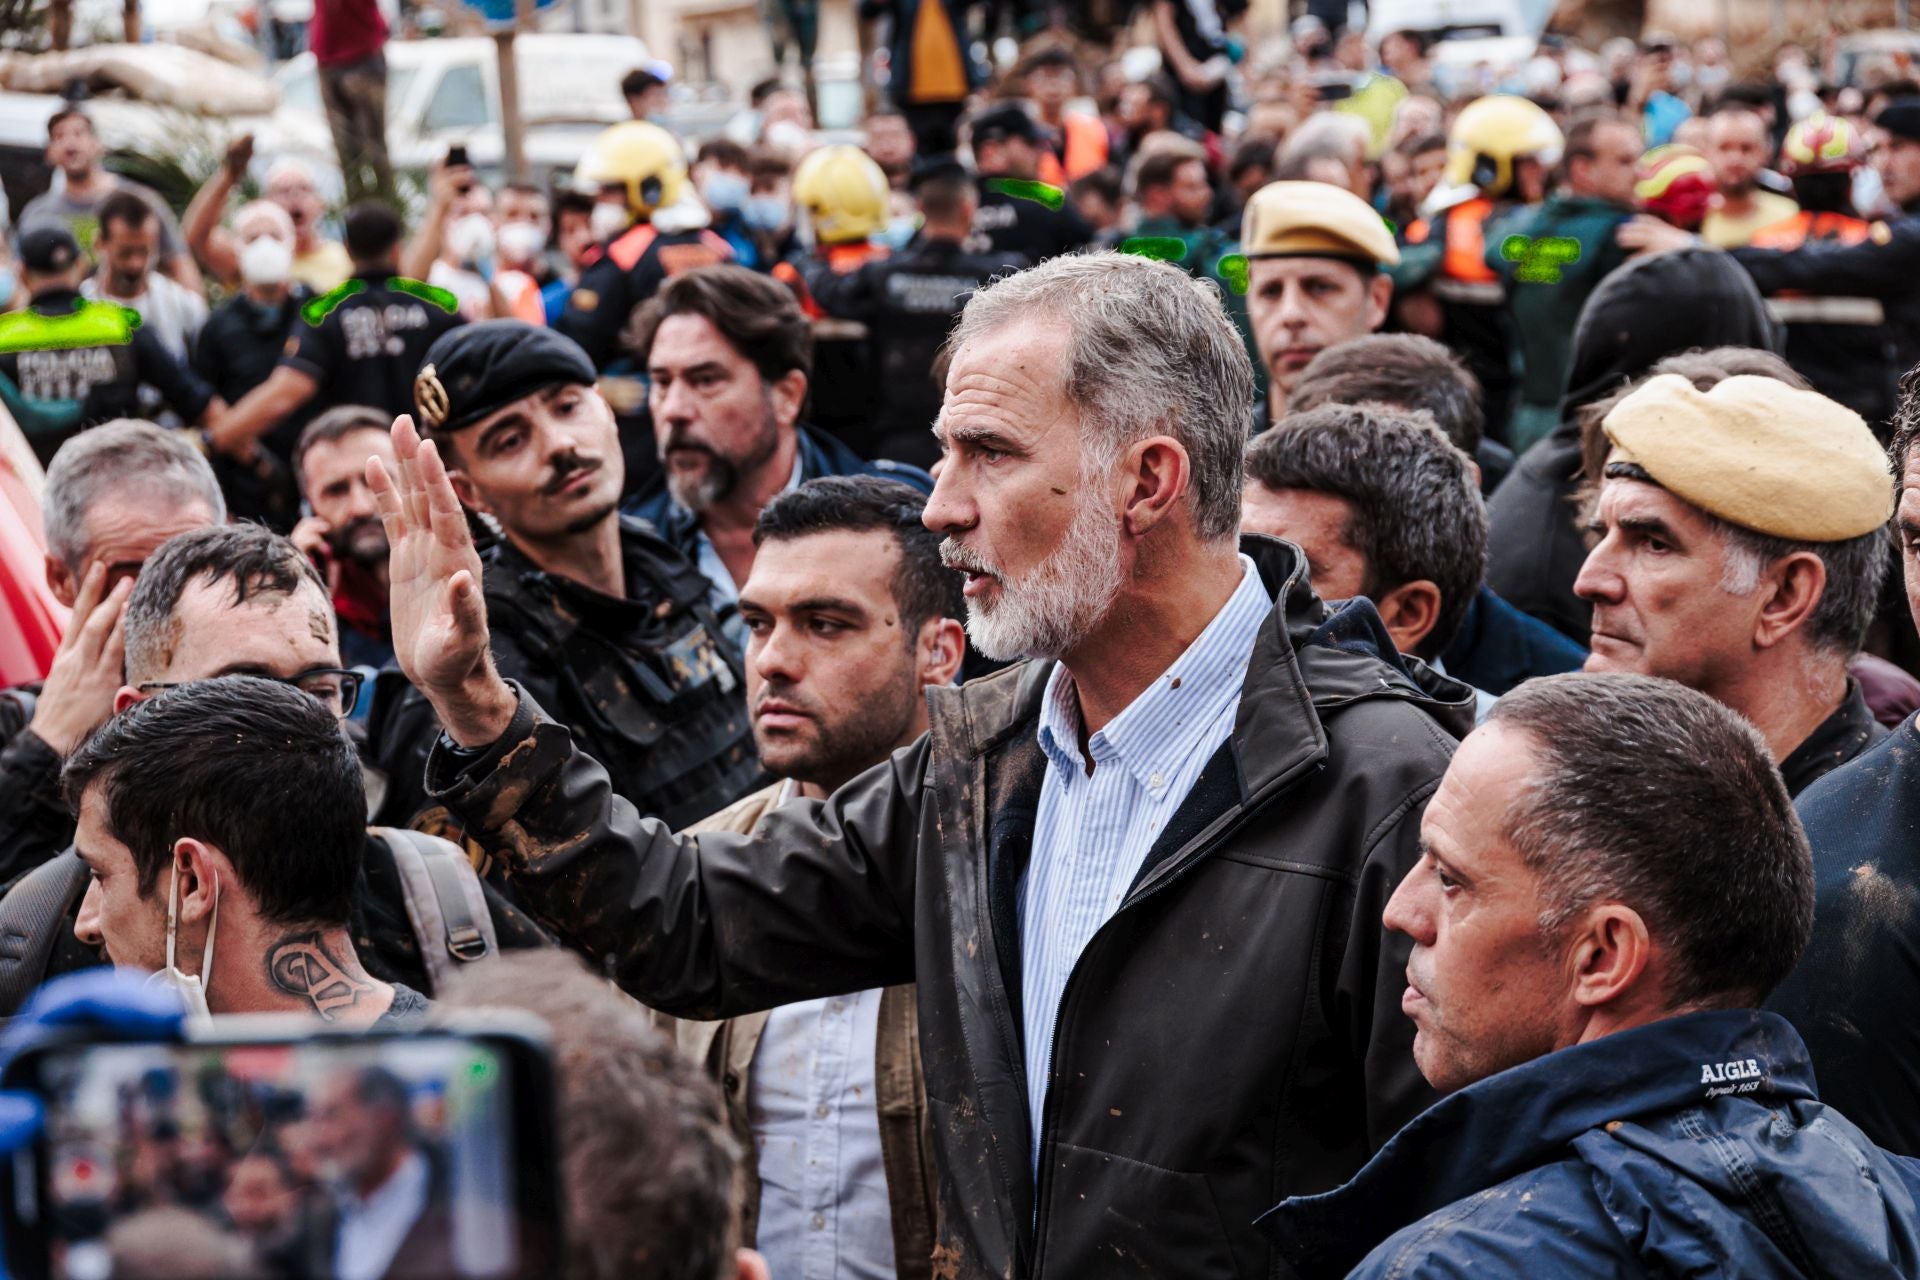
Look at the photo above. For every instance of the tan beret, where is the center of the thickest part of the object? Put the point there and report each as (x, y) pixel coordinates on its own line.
(1314, 219)
(1758, 454)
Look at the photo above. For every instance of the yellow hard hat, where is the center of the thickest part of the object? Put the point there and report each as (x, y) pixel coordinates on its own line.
(643, 158)
(1493, 132)
(844, 193)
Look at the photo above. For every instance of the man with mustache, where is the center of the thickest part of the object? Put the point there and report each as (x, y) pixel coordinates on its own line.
(1739, 544)
(342, 533)
(851, 618)
(729, 354)
(608, 623)
(1137, 879)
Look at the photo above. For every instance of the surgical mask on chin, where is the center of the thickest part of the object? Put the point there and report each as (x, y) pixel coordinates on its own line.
(472, 241)
(724, 192)
(608, 220)
(765, 213)
(266, 260)
(191, 988)
(7, 282)
(521, 242)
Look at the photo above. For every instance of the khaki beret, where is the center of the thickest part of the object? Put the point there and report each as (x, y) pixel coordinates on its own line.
(1759, 454)
(1317, 220)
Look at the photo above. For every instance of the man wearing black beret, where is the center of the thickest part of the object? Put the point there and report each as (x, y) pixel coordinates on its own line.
(598, 618)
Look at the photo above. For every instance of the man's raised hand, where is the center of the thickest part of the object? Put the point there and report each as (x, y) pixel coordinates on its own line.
(439, 617)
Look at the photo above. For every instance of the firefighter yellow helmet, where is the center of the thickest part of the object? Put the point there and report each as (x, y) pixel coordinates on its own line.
(1822, 144)
(1492, 133)
(844, 193)
(643, 158)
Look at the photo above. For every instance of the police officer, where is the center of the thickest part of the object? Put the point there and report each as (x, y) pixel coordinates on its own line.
(908, 303)
(1500, 154)
(1017, 214)
(360, 344)
(649, 226)
(1883, 265)
(844, 201)
(67, 363)
(606, 626)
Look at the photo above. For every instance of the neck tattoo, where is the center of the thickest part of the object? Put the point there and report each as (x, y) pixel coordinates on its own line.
(301, 965)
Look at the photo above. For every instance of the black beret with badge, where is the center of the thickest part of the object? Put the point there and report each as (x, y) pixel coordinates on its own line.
(478, 369)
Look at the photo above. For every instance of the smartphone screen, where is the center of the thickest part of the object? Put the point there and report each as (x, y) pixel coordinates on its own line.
(396, 1156)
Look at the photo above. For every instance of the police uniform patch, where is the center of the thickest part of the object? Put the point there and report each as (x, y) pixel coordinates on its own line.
(584, 299)
(1880, 233)
(430, 397)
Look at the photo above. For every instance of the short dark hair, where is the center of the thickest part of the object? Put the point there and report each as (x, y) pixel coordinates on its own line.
(1580, 132)
(252, 557)
(639, 81)
(256, 768)
(1632, 769)
(1403, 370)
(755, 313)
(647, 1162)
(571, 201)
(1103, 183)
(372, 230)
(722, 151)
(1906, 424)
(334, 425)
(1856, 567)
(764, 89)
(944, 199)
(1421, 144)
(1158, 169)
(66, 113)
(923, 586)
(1417, 512)
(124, 208)
(1257, 152)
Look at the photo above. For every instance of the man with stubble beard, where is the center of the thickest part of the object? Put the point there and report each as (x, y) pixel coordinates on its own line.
(611, 625)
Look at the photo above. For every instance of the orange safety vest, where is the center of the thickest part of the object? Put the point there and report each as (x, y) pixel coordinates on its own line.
(1466, 257)
(1086, 147)
(840, 259)
(1810, 228)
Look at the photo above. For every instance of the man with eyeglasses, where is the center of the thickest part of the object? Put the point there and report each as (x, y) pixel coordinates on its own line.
(242, 600)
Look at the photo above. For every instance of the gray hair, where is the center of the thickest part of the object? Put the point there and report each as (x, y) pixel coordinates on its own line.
(1150, 351)
(1856, 568)
(1417, 512)
(1648, 793)
(1330, 134)
(123, 459)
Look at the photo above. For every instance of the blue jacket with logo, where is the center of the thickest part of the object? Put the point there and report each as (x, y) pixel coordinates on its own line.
(1695, 1146)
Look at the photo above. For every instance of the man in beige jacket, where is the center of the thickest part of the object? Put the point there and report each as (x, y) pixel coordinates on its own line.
(850, 616)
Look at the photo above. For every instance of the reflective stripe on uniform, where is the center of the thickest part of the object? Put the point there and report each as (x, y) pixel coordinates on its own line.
(1863, 311)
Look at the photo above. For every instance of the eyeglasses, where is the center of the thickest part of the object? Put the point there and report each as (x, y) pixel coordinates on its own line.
(337, 690)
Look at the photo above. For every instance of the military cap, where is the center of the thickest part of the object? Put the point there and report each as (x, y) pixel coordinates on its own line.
(1758, 454)
(478, 369)
(1314, 220)
(47, 249)
(1901, 118)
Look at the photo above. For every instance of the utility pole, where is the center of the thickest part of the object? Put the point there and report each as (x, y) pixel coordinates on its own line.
(512, 128)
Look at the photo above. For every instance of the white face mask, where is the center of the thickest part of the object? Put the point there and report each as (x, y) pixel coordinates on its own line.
(471, 239)
(192, 988)
(266, 260)
(609, 220)
(521, 242)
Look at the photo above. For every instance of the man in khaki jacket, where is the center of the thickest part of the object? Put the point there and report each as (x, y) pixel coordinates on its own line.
(850, 616)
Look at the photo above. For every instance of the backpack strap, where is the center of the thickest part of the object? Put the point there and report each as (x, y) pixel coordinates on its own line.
(444, 901)
(32, 916)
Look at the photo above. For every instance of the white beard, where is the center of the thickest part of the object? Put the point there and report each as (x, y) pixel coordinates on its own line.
(1056, 606)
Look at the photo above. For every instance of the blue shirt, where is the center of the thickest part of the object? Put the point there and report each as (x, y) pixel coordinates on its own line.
(1092, 833)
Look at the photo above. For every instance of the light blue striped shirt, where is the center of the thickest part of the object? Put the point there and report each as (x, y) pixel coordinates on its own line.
(1092, 833)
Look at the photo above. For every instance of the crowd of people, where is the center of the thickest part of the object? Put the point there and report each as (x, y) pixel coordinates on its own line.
(1270, 660)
